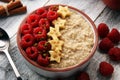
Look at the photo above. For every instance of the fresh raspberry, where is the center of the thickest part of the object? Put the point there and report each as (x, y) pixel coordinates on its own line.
(103, 30)
(105, 44)
(53, 8)
(33, 19)
(44, 46)
(114, 53)
(43, 61)
(26, 29)
(52, 15)
(83, 76)
(32, 53)
(106, 69)
(42, 12)
(39, 33)
(44, 23)
(27, 40)
(114, 36)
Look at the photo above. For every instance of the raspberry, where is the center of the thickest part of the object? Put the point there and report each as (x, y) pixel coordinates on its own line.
(42, 12)
(44, 23)
(32, 53)
(83, 76)
(114, 36)
(53, 8)
(52, 15)
(103, 30)
(105, 44)
(43, 61)
(27, 40)
(39, 33)
(44, 46)
(106, 69)
(114, 54)
(33, 19)
(26, 29)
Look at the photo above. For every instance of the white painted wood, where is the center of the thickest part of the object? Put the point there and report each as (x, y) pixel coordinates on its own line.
(91, 7)
(112, 19)
(11, 23)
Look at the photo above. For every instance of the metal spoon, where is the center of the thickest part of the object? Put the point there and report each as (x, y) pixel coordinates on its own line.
(4, 45)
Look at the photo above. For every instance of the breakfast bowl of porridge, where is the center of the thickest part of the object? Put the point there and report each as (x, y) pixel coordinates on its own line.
(57, 40)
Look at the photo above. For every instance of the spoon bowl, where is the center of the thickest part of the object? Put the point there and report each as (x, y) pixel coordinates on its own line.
(4, 40)
(4, 45)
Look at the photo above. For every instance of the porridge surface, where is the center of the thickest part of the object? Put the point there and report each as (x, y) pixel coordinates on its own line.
(78, 40)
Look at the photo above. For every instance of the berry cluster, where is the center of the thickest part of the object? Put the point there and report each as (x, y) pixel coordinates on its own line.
(107, 44)
(110, 39)
(34, 39)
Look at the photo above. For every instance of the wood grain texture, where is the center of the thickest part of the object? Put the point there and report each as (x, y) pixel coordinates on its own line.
(91, 7)
(11, 23)
(112, 19)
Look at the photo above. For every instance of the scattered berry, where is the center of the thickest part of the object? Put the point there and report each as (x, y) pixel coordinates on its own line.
(114, 54)
(44, 46)
(27, 40)
(103, 30)
(39, 33)
(105, 44)
(83, 76)
(52, 15)
(44, 23)
(43, 61)
(26, 29)
(106, 69)
(114, 36)
(32, 53)
(42, 12)
(33, 19)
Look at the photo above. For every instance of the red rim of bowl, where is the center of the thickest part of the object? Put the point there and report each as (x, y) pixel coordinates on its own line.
(60, 69)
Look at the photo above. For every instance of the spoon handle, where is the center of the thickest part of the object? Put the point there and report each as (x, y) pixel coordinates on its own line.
(12, 64)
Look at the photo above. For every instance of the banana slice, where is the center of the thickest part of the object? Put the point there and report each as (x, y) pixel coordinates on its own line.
(55, 56)
(56, 44)
(54, 33)
(63, 11)
(59, 23)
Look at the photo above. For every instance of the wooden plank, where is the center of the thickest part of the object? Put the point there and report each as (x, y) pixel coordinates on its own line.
(91, 7)
(11, 23)
(112, 19)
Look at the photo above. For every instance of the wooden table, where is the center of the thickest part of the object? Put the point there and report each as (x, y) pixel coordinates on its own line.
(96, 10)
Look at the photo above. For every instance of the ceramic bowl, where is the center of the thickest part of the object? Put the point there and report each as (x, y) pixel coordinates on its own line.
(64, 72)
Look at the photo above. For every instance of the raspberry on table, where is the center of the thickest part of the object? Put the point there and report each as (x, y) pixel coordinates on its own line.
(103, 30)
(83, 76)
(44, 23)
(114, 35)
(114, 54)
(105, 44)
(44, 46)
(39, 33)
(33, 20)
(32, 53)
(43, 61)
(27, 40)
(106, 69)
(42, 12)
(52, 15)
(26, 29)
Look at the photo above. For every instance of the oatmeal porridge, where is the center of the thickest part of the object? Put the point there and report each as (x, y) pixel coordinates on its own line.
(78, 40)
